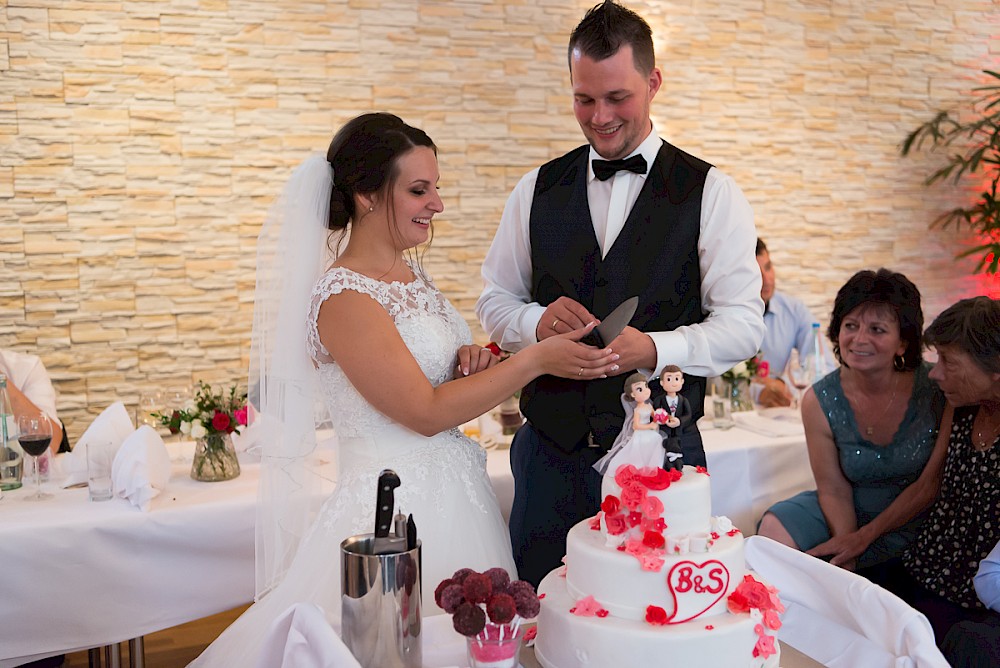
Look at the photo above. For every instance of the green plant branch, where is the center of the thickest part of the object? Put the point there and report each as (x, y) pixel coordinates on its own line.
(981, 139)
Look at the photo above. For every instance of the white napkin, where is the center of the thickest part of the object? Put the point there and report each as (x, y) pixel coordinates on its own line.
(767, 426)
(839, 618)
(141, 468)
(111, 427)
(302, 638)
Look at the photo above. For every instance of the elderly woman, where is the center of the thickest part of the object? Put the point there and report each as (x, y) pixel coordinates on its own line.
(964, 523)
(871, 427)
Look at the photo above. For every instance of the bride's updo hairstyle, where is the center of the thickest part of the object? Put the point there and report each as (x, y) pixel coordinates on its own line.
(364, 155)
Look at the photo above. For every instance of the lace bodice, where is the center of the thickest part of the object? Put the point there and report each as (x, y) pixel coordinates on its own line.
(429, 325)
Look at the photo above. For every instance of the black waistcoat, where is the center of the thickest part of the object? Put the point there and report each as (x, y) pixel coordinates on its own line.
(655, 257)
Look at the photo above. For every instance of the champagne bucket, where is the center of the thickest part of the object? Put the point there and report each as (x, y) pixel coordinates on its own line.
(380, 604)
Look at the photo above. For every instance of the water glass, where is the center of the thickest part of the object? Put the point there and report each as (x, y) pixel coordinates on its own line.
(99, 457)
(722, 412)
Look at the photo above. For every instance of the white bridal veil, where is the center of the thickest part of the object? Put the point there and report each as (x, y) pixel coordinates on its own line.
(292, 253)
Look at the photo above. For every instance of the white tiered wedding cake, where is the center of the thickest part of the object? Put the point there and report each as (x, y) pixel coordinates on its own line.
(654, 579)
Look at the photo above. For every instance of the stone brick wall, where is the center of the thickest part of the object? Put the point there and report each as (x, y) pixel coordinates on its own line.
(142, 141)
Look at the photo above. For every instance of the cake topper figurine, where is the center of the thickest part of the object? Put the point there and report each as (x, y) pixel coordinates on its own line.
(673, 414)
(639, 442)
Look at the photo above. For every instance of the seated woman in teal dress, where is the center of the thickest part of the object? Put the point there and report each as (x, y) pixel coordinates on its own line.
(872, 433)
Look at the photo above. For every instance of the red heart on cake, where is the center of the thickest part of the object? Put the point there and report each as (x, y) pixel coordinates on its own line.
(696, 587)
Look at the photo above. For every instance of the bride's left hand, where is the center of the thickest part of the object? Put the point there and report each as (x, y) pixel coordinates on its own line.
(473, 359)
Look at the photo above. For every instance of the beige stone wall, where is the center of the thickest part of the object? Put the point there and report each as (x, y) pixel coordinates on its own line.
(142, 141)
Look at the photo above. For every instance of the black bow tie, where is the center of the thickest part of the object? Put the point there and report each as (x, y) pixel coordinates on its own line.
(605, 169)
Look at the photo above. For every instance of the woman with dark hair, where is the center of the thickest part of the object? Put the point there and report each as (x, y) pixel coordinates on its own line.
(397, 374)
(963, 525)
(871, 427)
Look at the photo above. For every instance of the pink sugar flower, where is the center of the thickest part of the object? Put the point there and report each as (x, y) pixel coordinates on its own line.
(586, 607)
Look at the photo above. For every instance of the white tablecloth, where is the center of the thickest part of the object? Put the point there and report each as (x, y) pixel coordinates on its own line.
(78, 574)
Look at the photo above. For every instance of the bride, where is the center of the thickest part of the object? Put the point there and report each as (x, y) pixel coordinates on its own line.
(393, 362)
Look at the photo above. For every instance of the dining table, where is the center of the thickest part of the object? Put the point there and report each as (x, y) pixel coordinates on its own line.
(79, 574)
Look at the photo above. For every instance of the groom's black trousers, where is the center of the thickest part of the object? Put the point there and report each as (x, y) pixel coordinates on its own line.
(553, 490)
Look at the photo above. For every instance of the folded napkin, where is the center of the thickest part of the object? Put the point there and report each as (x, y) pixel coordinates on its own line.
(768, 426)
(141, 468)
(108, 430)
(301, 637)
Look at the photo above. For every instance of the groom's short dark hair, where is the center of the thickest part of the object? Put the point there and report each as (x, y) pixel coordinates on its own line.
(605, 28)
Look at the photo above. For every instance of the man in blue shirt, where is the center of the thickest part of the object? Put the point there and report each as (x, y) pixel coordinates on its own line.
(788, 324)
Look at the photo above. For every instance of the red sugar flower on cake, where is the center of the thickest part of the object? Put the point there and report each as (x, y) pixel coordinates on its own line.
(611, 504)
(764, 646)
(595, 522)
(656, 616)
(616, 524)
(754, 594)
(625, 474)
(633, 494)
(531, 634)
(701, 469)
(732, 532)
(588, 607)
(650, 562)
(657, 525)
(653, 540)
(634, 518)
(652, 507)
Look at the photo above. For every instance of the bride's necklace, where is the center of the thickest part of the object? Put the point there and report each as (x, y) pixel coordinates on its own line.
(986, 437)
(871, 429)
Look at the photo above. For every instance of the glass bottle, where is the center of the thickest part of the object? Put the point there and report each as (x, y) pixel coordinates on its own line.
(11, 456)
(818, 358)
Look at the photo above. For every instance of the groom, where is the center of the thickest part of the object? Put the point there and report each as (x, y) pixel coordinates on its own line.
(627, 215)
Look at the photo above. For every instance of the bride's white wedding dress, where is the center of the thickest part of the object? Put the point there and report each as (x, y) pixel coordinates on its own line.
(444, 480)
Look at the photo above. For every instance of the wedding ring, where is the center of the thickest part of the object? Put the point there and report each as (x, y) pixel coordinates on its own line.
(554, 323)
(580, 372)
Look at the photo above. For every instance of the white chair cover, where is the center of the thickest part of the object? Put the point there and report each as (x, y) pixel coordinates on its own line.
(841, 619)
(302, 638)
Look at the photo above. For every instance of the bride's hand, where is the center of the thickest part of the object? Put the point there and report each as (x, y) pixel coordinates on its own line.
(473, 359)
(563, 355)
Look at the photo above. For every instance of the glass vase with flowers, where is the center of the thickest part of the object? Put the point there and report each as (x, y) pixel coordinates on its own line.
(210, 418)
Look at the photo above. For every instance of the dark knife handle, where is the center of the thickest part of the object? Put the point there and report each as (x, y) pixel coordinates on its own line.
(411, 533)
(384, 502)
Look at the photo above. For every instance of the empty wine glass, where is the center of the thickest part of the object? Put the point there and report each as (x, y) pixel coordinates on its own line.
(800, 373)
(35, 435)
(149, 403)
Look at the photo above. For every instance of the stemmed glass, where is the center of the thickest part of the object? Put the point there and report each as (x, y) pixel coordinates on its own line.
(177, 399)
(149, 403)
(35, 435)
(800, 373)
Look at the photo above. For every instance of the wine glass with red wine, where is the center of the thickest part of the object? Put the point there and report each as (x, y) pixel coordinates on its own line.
(35, 435)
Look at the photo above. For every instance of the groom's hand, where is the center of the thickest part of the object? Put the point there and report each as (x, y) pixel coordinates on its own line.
(636, 350)
(561, 316)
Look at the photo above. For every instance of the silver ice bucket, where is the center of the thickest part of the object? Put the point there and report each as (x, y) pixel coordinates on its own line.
(380, 604)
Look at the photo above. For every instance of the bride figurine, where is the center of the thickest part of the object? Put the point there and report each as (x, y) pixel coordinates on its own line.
(391, 359)
(639, 442)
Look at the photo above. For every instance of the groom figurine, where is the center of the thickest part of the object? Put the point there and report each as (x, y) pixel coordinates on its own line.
(678, 417)
(628, 214)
